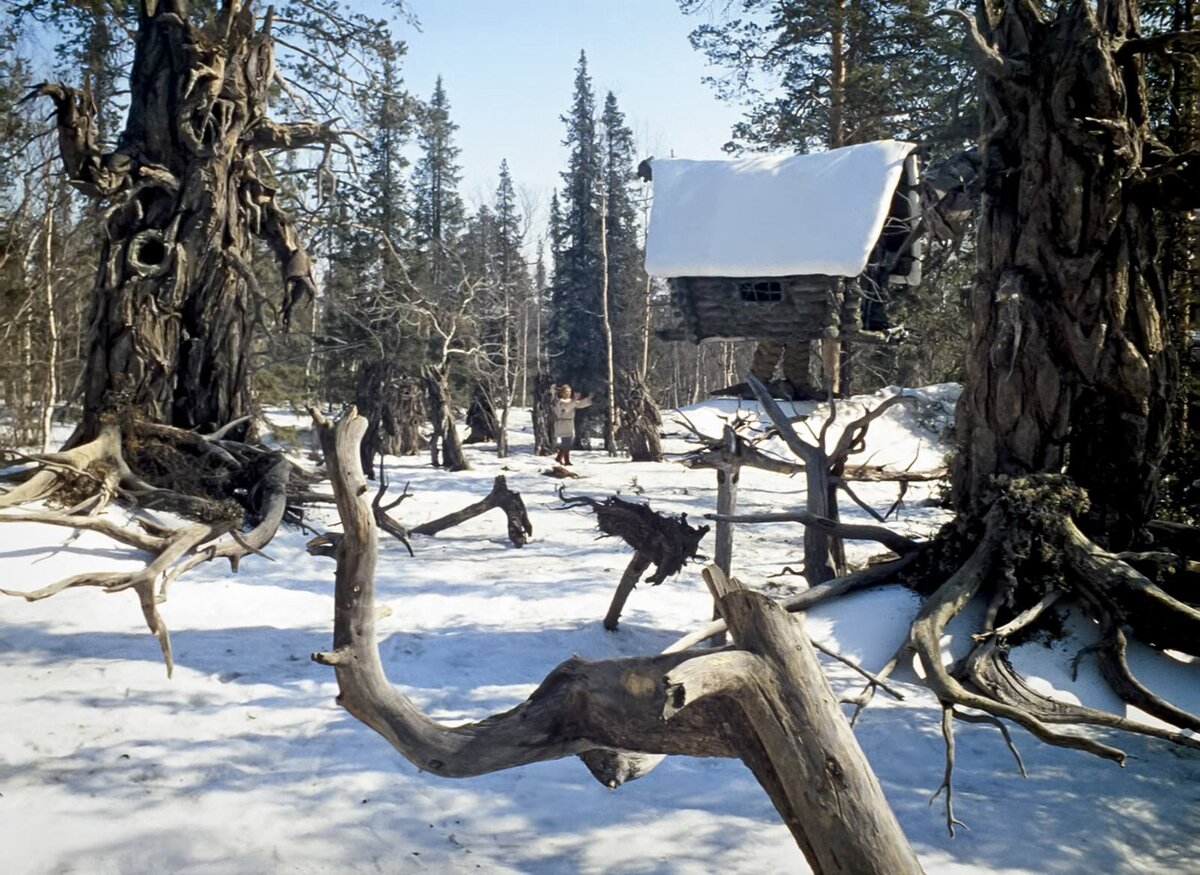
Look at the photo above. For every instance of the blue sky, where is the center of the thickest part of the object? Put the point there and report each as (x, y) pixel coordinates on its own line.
(509, 68)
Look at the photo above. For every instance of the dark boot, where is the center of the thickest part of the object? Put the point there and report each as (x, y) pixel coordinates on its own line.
(567, 458)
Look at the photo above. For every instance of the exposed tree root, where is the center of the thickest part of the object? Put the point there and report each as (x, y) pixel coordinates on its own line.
(150, 466)
(926, 634)
(988, 669)
(665, 542)
(144, 582)
(947, 784)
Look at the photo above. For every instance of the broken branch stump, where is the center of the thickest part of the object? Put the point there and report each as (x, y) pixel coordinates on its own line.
(801, 747)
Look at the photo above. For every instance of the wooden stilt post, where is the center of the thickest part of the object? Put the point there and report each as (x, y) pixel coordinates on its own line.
(727, 488)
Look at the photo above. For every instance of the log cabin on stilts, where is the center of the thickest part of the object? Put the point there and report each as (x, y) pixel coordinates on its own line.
(796, 252)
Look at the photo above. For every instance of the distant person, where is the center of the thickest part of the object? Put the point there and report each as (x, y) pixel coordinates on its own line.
(564, 420)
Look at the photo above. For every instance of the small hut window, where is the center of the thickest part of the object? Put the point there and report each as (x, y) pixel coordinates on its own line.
(761, 290)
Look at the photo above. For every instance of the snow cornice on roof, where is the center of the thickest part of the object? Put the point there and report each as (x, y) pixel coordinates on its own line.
(772, 215)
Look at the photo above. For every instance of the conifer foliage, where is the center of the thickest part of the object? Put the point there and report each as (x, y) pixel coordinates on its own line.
(596, 250)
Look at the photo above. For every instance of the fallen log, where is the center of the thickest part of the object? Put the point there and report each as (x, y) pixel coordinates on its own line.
(519, 526)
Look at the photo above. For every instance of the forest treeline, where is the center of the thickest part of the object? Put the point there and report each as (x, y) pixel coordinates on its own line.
(417, 291)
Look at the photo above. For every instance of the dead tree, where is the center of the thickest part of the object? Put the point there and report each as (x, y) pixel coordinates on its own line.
(665, 542)
(445, 447)
(83, 480)
(640, 421)
(543, 414)
(481, 418)
(519, 526)
(174, 307)
(824, 471)
(394, 405)
(766, 703)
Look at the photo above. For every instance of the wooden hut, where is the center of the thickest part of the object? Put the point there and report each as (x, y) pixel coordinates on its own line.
(769, 247)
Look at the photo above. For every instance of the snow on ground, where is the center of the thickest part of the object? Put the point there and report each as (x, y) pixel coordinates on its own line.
(243, 763)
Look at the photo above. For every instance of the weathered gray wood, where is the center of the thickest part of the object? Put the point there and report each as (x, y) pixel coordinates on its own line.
(680, 703)
(633, 572)
(802, 749)
(640, 421)
(852, 531)
(714, 309)
(519, 526)
(727, 492)
(821, 552)
(875, 575)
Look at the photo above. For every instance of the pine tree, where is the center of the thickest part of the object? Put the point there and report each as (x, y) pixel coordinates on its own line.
(438, 211)
(627, 276)
(575, 337)
(820, 74)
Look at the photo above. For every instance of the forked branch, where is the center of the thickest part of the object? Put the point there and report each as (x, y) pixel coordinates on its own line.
(768, 705)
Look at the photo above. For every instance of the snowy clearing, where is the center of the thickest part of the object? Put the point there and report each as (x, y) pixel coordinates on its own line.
(243, 763)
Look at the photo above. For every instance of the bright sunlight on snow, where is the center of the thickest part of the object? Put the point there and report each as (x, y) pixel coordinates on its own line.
(243, 763)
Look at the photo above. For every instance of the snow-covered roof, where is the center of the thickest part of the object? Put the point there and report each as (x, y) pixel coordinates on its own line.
(772, 215)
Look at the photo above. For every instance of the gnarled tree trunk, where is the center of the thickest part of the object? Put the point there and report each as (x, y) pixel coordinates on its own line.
(173, 308)
(766, 703)
(1070, 365)
(640, 419)
(394, 405)
(441, 415)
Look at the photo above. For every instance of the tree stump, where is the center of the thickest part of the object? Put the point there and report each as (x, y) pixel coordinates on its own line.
(659, 540)
(543, 414)
(481, 418)
(640, 419)
(441, 414)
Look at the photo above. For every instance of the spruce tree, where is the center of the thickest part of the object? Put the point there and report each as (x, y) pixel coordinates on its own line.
(439, 291)
(575, 337)
(438, 211)
(627, 276)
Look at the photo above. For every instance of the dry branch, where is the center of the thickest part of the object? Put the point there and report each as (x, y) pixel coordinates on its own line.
(897, 543)
(519, 526)
(758, 705)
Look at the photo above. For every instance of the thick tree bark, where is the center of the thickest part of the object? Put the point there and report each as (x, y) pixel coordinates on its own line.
(394, 406)
(640, 421)
(441, 413)
(1069, 364)
(174, 309)
(481, 418)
